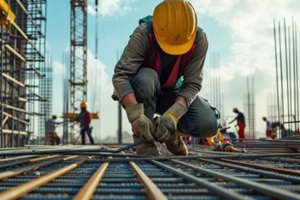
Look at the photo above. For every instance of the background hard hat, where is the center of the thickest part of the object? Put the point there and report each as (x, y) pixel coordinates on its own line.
(83, 104)
(54, 116)
(175, 26)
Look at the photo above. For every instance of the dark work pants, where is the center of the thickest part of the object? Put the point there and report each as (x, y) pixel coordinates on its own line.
(200, 120)
(87, 130)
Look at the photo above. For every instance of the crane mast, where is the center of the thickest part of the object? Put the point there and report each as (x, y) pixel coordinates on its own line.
(78, 67)
(78, 57)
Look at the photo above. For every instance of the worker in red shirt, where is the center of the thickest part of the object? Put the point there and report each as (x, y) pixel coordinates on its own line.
(240, 118)
(84, 119)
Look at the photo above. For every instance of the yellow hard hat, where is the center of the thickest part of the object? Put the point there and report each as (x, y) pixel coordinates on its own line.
(175, 26)
(83, 104)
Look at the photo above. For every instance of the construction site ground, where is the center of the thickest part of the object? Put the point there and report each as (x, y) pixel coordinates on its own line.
(255, 169)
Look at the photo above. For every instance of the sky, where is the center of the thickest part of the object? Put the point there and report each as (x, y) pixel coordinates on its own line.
(240, 32)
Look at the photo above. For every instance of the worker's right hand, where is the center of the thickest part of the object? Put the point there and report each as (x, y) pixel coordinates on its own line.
(140, 124)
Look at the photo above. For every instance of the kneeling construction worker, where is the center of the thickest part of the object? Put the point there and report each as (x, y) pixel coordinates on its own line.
(160, 72)
(84, 119)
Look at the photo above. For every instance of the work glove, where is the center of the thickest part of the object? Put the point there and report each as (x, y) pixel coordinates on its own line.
(166, 124)
(140, 124)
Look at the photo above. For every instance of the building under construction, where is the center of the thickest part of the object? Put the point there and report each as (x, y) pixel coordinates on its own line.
(25, 77)
(223, 169)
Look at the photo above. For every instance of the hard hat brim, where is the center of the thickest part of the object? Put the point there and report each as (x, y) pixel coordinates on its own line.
(176, 49)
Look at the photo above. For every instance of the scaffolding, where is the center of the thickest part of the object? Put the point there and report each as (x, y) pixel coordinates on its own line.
(22, 61)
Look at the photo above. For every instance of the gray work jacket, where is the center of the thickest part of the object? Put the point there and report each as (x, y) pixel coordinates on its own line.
(135, 53)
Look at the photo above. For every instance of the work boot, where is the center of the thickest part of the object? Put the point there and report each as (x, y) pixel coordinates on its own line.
(176, 145)
(146, 148)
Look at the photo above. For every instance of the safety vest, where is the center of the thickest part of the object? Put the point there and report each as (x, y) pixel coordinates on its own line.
(154, 58)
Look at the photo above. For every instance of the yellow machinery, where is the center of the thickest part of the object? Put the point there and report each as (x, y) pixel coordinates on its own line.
(220, 145)
(8, 17)
(219, 138)
(73, 115)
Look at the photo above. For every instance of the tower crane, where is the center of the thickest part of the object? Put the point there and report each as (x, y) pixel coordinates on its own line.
(78, 60)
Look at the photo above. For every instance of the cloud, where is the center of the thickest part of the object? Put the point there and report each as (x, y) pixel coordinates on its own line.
(111, 7)
(251, 53)
(58, 67)
(91, 10)
(100, 89)
(250, 23)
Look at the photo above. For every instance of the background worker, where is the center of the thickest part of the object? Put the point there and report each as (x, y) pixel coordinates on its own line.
(84, 119)
(161, 72)
(240, 118)
(51, 136)
(269, 129)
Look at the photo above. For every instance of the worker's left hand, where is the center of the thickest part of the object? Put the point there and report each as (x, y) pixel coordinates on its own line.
(166, 124)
